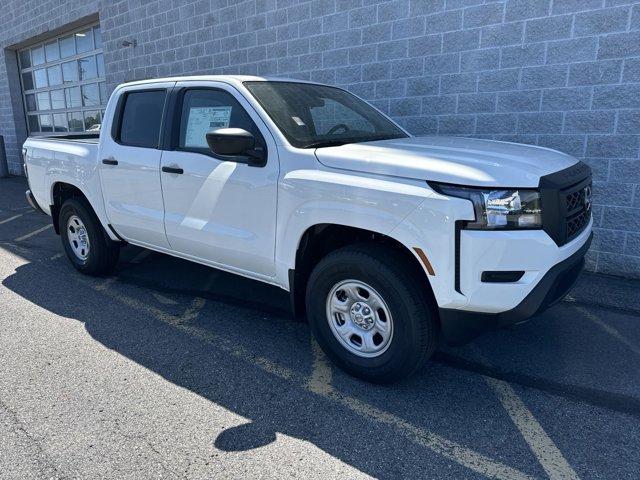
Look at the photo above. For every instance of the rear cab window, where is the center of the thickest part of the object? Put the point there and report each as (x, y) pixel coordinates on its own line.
(140, 118)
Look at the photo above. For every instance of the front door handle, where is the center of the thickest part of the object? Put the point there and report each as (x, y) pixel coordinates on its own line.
(110, 161)
(177, 170)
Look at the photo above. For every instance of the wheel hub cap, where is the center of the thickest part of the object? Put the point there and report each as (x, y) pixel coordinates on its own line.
(362, 315)
(78, 237)
(359, 318)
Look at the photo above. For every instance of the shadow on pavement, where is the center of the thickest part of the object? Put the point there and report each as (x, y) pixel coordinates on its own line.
(271, 403)
(448, 398)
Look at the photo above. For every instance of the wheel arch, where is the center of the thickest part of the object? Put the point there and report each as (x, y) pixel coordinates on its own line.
(323, 238)
(62, 191)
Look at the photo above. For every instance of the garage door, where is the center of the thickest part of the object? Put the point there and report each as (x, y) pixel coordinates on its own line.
(63, 82)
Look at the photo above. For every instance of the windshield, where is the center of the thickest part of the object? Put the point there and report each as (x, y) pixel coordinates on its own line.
(312, 116)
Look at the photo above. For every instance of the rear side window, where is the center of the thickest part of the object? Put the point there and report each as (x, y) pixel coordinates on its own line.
(141, 118)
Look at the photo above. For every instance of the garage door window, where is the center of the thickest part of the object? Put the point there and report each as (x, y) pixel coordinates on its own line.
(63, 83)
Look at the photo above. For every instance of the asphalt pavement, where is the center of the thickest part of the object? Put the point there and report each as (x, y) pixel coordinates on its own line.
(168, 369)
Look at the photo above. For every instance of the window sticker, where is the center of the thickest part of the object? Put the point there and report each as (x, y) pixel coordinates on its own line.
(298, 120)
(202, 120)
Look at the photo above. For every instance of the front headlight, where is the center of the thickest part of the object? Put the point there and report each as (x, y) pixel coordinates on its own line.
(498, 208)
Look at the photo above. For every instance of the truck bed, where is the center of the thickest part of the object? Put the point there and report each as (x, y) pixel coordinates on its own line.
(71, 159)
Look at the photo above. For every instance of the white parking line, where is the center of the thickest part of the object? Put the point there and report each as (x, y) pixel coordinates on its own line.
(319, 383)
(547, 453)
(453, 451)
(7, 220)
(193, 311)
(104, 284)
(35, 232)
(321, 375)
(609, 329)
(164, 300)
(15, 248)
(320, 386)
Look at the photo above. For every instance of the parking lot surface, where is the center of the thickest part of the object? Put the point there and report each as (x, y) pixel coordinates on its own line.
(167, 369)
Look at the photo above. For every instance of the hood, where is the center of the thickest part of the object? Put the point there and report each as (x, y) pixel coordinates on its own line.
(457, 160)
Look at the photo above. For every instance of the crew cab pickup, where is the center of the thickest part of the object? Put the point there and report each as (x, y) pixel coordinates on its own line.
(388, 243)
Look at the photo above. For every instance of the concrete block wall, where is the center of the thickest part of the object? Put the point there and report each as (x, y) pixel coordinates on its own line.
(558, 73)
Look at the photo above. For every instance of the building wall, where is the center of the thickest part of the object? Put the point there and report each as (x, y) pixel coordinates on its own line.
(558, 73)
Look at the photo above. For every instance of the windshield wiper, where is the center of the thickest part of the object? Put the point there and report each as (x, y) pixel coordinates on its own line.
(326, 143)
(343, 141)
(380, 137)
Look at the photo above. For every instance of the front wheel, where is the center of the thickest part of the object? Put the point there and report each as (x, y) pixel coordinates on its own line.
(370, 312)
(84, 240)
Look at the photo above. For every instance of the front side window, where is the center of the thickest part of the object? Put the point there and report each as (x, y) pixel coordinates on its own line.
(141, 118)
(208, 109)
(318, 115)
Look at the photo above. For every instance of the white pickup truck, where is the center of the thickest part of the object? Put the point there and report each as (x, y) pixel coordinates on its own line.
(386, 242)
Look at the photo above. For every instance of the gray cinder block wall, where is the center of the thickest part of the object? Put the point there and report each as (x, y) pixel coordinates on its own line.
(558, 73)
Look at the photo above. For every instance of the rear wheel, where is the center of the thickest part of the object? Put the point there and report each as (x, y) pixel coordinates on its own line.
(370, 312)
(84, 239)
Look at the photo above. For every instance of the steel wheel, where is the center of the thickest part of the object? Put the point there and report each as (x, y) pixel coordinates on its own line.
(359, 318)
(78, 237)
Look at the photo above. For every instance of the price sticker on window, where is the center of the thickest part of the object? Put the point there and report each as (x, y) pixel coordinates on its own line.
(202, 120)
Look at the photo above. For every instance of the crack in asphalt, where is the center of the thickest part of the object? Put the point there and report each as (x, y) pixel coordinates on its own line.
(151, 447)
(45, 464)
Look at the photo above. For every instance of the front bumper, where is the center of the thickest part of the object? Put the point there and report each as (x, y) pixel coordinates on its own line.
(461, 326)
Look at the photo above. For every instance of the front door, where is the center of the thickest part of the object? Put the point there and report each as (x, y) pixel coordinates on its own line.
(130, 165)
(219, 211)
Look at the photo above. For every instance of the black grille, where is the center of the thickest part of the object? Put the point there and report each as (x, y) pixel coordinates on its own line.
(577, 207)
(577, 222)
(574, 201)
(566, 202)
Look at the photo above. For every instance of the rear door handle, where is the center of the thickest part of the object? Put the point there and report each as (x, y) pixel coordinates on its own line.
(109, 161)
(177, 170)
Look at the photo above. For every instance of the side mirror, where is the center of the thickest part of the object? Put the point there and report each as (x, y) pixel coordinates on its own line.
(235, 145)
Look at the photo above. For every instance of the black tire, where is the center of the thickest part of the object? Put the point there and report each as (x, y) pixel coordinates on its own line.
(103, 254)
(395, 278)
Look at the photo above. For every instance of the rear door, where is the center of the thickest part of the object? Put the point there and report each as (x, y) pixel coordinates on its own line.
(219, 211)
(129, 164)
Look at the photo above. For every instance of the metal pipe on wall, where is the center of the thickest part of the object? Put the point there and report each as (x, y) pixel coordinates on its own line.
(4, 167)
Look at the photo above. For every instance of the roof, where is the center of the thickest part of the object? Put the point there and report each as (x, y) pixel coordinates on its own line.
(234, 79)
